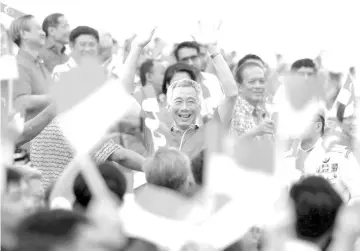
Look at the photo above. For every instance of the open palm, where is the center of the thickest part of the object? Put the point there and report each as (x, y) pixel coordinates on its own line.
(207, 34)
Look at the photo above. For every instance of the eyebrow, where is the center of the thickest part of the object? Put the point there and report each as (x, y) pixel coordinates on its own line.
(186, 58)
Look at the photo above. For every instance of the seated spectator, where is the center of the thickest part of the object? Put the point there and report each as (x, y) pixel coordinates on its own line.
(317, 205)
(169, 168)
(114, 178)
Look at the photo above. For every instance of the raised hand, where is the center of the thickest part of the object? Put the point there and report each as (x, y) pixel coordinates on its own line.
(207, 34)
(144, 39)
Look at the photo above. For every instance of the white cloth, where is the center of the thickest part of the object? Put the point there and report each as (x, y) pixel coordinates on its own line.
(62, 68)
(339, 166)
(216, 92)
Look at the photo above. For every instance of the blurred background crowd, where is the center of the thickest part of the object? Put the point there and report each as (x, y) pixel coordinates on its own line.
(217, 134)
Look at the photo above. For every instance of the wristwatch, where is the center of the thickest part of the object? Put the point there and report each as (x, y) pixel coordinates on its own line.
(212, 56)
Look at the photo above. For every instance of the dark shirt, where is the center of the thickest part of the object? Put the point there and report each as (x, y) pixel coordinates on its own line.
(34, 78)
(52, 56)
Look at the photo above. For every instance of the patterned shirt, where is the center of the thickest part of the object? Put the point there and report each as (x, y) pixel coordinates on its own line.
(245, 117)
(50, 151)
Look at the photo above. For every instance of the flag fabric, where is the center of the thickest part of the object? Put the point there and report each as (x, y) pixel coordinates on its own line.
(10, 11)
(345, 97)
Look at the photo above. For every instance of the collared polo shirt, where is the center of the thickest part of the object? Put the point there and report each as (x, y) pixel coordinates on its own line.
(52, 56)
(34, 78)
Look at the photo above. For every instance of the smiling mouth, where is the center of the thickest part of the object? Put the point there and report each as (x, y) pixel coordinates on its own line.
(184, 116)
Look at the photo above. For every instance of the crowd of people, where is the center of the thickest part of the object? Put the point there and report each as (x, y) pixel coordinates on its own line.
(187, 110)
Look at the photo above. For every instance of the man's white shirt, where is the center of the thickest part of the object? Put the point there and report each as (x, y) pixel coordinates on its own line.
(215, 89)
(339, 166)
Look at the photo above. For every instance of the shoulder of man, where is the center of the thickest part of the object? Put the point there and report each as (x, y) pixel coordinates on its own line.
(60, 69)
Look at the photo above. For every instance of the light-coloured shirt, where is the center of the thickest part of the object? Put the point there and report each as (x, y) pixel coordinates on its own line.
(339, 166)
(210, 81)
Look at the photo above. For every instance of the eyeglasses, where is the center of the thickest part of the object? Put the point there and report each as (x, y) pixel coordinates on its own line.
(191, 58)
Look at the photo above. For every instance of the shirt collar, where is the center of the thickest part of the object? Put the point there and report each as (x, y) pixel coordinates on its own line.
(246, 105)
(175, 129)
(71, 63)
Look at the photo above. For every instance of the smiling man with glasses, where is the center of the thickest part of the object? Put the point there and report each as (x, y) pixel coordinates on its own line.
(189, 52)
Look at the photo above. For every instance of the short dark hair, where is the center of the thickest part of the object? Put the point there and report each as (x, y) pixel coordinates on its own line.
(197, 167)
(186, 44)
(83, 30)
(13, 176)
(57, 223)
(305, 62)
(114, 179)
(249, 57)
(48, 228)
(51, 21)
(321, 119)
(239, 70)
(145, 68)
(316, 206)
(175, 68)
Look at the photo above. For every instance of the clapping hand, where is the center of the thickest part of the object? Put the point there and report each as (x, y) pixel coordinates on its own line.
(266, 127)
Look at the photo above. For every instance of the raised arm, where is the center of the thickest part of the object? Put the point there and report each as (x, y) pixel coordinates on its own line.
(26, 102)
(33, 102)
(137, 46)
(223, 71)
(34, 126)
(210, 37)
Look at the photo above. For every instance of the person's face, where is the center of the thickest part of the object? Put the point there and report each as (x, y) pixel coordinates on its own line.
(61, 32)
(253, 84)
(185, 106)
(106, 47)
(34, 36)
(156, 76)
(190, 56)
(85, 45)
(312, 131)
(349, 126)
(306, 72)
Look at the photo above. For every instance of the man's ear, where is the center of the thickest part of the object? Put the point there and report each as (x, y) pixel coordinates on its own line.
(148, 76)
(51, 30)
